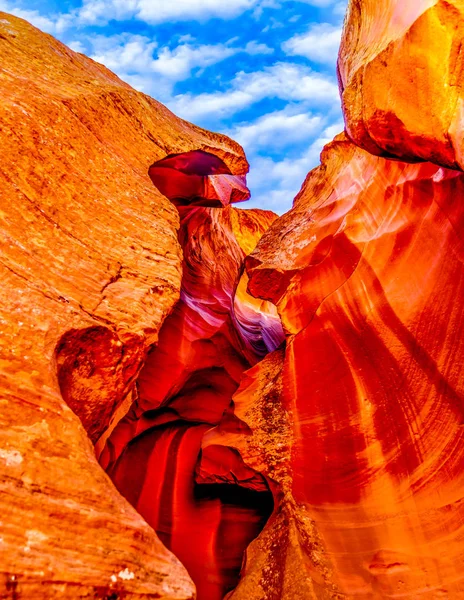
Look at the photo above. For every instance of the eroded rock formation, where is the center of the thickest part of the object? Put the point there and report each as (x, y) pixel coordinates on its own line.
(401, 70)
(366, 271)
(90, 268)
(198, 177)
(333, 456)
(213, 335)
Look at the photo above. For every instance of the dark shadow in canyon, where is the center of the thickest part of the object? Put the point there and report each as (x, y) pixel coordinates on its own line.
(208, 527)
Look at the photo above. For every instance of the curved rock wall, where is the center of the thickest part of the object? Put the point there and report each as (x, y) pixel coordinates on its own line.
(367, 273)
(215, 332)
(90, 268)
(178, 366)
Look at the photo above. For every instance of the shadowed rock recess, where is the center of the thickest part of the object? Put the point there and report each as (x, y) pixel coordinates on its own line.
(200, 401)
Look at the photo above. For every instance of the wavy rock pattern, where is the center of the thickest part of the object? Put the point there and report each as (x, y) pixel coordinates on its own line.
(367, 273)
(200, 357)
(213, 335)
(336, 457)
(401, 70)
(90, 267)
(288, 559)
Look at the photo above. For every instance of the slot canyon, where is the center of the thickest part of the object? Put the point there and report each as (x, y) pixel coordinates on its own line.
(215, 332)
(204, 401)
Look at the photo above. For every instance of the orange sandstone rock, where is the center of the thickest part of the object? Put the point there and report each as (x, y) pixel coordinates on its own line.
(367, 273)
(214, 334)
(287, 561)
(90, 268)
(401, 71)
(355, 426)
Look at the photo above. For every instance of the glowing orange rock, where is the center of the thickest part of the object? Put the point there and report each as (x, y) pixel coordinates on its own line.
(287, 560)
(213, 335)
(90, 268)
(367, 273)
(207, 527)
(402, 78)
(355, 425)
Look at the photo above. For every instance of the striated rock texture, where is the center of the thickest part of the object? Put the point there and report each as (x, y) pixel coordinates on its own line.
(401, 71)
(367, 273)
(214, 334)
(332, 455)
(288, 559)
(90, 267)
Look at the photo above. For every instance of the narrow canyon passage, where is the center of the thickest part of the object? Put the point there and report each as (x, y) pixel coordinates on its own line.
(215, 333)
(207, 527)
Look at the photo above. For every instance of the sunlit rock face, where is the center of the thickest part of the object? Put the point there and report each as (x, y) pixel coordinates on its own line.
(288, 560)
(367, 274)
(401, 76)
(322, 464)
(201, 355)
(90, 267)
(216, 332)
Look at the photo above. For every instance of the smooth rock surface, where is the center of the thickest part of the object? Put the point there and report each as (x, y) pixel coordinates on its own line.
(401, 72)
(350, 432)
(216, 332)
(287, 561)
(367, 273)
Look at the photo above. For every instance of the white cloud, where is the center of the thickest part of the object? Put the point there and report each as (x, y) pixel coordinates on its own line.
(178, 63)
(125, 53)
(257, 48)
(289, 81)
(77, 46)
(340, 8)
(286, 81)
(100, 12)
(138, 59)
(319, 44)
(159, 11)
(220, 104)
(163, 10)
(275, 183)
(54, 24)
(278, 129)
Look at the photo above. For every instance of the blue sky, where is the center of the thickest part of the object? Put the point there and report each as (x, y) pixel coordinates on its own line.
(262, 71)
